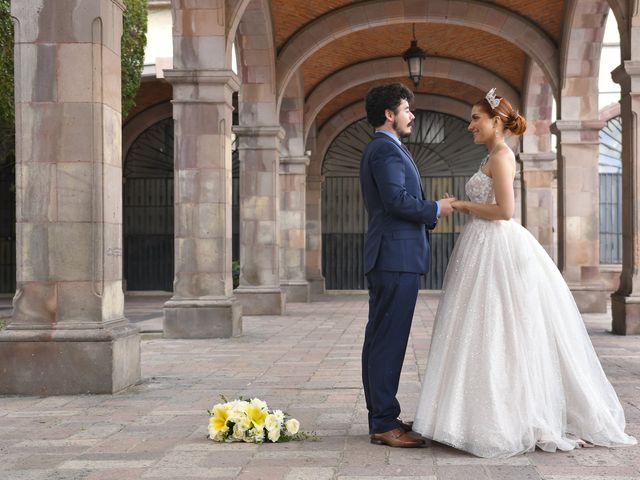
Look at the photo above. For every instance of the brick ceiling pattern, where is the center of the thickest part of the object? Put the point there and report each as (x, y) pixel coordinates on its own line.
(433, 86)
(461, 43)
(291, 15)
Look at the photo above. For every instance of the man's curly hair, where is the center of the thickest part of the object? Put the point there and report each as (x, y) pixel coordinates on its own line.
(385, 97)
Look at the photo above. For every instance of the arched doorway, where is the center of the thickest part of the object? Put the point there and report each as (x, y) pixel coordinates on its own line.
(611, 192)
(7, 216)
(446, 157)
(148, 210)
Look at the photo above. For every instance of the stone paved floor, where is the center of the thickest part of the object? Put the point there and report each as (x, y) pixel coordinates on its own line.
(307, 363)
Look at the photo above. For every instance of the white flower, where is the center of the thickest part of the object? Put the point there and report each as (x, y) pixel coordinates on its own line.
(292, 426)
(259, 403)
(279, 416)
(272, 422)
(238, 432)
(274, 435)
(216, 437)
(254, 435)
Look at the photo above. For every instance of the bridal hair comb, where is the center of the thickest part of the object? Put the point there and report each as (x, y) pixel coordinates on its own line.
(491, 98)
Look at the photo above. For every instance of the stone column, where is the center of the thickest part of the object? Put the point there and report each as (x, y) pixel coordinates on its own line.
(538, 179)
(203, 305)
(293, 275)
(625, 302)
(259, 291)
(68, 334)
(578, 212)
(314, 234)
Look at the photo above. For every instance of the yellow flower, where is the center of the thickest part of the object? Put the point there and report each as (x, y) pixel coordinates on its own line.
(256, 415)
(292, 426)
(218, 421)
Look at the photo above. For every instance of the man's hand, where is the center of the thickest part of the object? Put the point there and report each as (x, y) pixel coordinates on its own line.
(445, 205)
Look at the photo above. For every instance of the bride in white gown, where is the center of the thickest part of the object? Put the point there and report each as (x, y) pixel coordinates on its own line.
(511, 365)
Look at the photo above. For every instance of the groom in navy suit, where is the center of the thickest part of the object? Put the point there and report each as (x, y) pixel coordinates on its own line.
(396, 253)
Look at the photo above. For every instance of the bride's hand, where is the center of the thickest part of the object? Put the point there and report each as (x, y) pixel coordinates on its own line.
(460, 206)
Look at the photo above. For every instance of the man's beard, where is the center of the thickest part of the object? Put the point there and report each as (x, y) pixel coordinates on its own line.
(402, 134)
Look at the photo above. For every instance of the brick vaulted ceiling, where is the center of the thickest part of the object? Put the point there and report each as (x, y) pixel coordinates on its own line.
(478, 47)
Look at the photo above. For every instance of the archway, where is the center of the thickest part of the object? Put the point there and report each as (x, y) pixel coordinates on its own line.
(148, 210)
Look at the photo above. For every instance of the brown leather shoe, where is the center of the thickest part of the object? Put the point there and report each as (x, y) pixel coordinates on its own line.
(396, 438)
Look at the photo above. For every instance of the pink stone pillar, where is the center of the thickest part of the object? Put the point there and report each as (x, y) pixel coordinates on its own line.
(293, 276)
(538, 212)
(578, 212)
(259, 290)
(68, 334)
(203, 305)
(314, 235)
(625, 302)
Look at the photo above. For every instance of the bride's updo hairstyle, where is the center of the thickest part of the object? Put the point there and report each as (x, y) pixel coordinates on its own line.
(512, 120)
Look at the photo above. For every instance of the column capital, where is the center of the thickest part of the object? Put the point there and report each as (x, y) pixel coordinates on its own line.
(294, 165)
(177, 76)
(627, 75)
(576, 125)
(546, 161)
(202, 86)
(259, 131)
(537, 156)
(578, 131)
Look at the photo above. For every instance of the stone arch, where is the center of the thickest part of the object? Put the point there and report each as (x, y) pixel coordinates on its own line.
(619, 9)
(580, 52)
(234, 11)
(255, 49)
(394, 67)
(337, 23)
(138, 124)
(332, 128)
(291, 118)
(537, 105)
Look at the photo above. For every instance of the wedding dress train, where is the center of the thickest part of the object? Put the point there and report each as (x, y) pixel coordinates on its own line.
(511, 365)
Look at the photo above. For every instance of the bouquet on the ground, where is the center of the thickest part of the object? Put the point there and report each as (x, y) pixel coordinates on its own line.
(251, 421)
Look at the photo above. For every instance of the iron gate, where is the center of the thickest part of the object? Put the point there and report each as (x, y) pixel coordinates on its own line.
(7, 212)
(441, 147)
(611, 192)
(344, 229)
(7, 234)
(148, 210)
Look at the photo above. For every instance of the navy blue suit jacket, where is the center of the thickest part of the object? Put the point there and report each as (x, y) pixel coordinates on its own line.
(397, 239)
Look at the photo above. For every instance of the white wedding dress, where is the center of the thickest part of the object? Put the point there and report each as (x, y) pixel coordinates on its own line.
(511, 365)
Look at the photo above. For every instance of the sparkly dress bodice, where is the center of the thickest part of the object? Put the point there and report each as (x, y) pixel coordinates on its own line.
(479, 188)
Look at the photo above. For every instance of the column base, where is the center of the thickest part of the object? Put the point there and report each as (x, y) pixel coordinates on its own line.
(590, 299)
(194, 318)
(298, 292)
(317, 286)
(261, 301)
(69, 362)
(625, 312)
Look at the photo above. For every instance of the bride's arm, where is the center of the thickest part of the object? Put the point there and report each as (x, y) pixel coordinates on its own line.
(502, 169)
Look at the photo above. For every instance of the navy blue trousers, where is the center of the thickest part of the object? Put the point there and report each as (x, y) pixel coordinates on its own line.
(392, 300)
